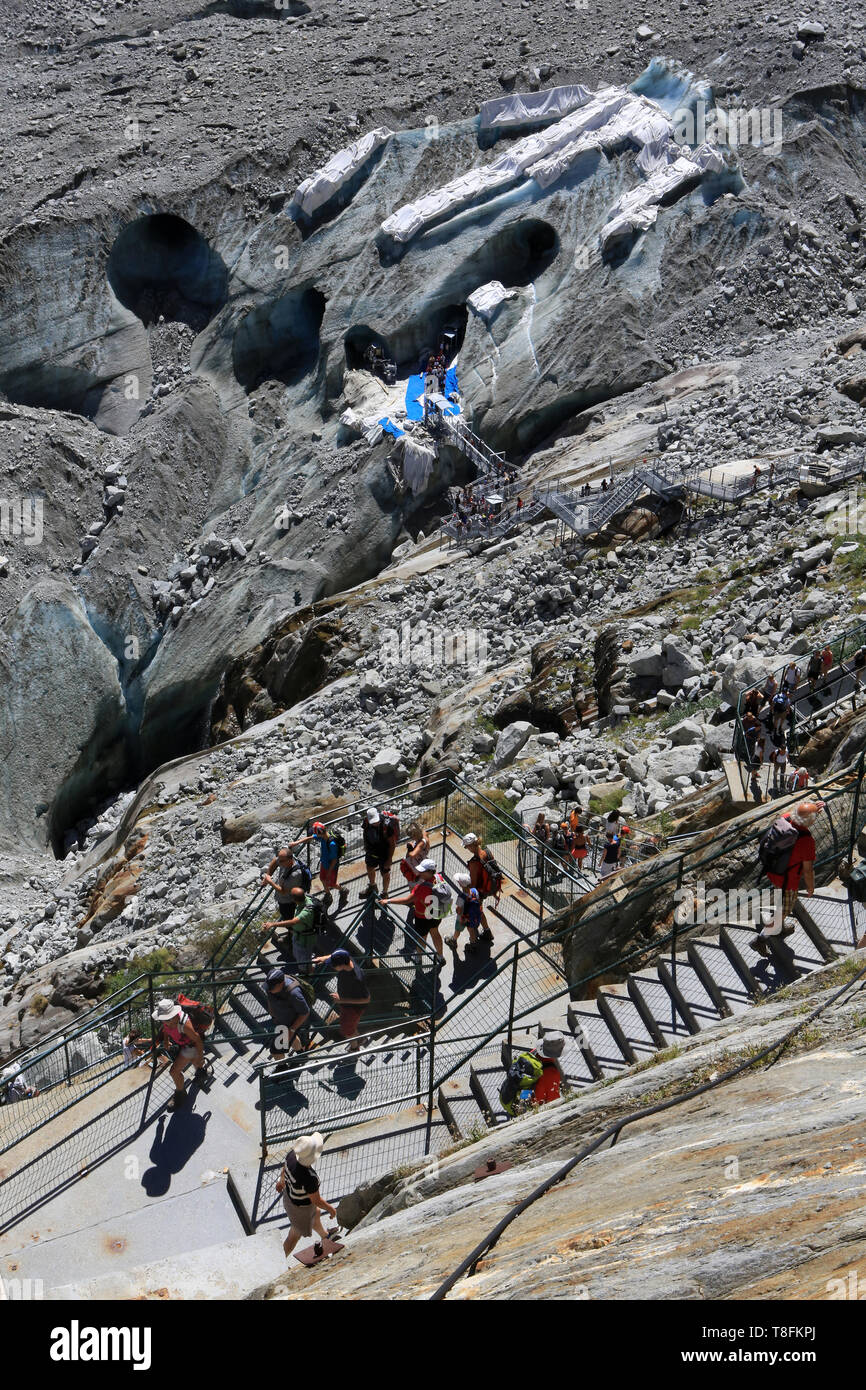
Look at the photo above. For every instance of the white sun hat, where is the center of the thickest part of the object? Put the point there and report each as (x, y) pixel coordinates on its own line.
(308, 1149)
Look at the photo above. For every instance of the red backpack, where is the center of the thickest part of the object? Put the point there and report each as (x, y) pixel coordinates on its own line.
(199, 1015)
(490, 877)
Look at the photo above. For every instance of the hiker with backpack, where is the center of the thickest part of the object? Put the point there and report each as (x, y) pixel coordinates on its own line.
(352, 995)
(177, 1031)
(430, 901)
(791, 677)
(381, 833)
(780, 707)
(289, 1004)
(798, 780)
(308, 916)
(779, 759)
(813, 670)
(298, 1185)
(787, 852)
(284, 873)
(485, 875)
(332, 847)
(467, 915)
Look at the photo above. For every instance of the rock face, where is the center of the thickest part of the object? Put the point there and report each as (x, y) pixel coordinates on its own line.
(62, 715)
(717, 1170)
(511, 740)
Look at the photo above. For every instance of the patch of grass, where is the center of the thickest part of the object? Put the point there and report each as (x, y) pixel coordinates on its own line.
(490, 827)
(611, 801)
(667, 1055)
(204, 941)
(478, 1131)
(690, 621)
(152, 963)
(38, 1004)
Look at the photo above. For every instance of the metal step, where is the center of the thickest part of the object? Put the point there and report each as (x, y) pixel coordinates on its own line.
(719, 977)
(626, 1025)
(735, 942)
(596, 1039)
(684, 981)
(477, 1088)
(572, 1060)
(830, 918)
(666, 1016)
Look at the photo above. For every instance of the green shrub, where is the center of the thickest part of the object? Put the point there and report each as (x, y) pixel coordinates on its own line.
(152, 963)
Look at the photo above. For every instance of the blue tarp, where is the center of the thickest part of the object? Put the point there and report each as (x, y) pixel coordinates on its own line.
(390, 428)
(414, 406)
(415, 389)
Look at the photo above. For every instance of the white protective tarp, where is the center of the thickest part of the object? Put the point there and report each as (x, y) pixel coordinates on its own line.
(315, 191)
(637, 211)
(486, 299)
(612, 117)
(418, 461)
(521, 108)
(503, 171)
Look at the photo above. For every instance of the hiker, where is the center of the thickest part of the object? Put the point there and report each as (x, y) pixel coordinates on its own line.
(609, 855)
(813, 670)
(416, 850)
(380, 840)
(791, 677)
(827, 659)
(779, 759)
(788, 852)
(289, 1007)
(579, 846)
(540, 832)
(283, 874)
(16, 1088)
(856, 669)
(753, 702)
(467, 914)
(298, 1186)
(752, 729)
(136, 1048)
(769, 689)
(352, 995)
(565, 840)
(176, 1030)
(516, 1091)
(331, 846)
(798, 780)
(485, 875)
(303, 925)
(780, 707)
(427, 898)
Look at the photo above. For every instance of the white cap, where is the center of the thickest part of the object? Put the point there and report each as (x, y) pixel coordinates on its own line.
(427, 866)
(470, 839)
(372, 819)
(462, 878)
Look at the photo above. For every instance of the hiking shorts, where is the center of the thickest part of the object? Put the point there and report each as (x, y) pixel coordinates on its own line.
(350, 1017)
(300, 1217)
(377, 861)
(329, 876)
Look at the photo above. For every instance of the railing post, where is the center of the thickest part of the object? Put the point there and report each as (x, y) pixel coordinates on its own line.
(431, 1084)
(855, 809)
(512, 996)
(263, 1113)
(541, 891)
(66, 1056)
(150, 1015)
(445, 823)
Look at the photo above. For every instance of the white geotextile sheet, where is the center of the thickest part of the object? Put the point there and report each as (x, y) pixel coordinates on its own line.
(520, 108)
(418, 461)
(487, 298)
(637, 210)
(315, 191)
(611, 115)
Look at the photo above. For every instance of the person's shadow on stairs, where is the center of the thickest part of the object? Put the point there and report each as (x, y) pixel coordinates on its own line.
(173, 1146)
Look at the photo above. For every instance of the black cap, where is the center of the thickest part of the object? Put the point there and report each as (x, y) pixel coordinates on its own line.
(275, 977)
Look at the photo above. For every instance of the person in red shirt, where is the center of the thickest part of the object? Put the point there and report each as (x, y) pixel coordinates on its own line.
(418, 898)
(801, 865)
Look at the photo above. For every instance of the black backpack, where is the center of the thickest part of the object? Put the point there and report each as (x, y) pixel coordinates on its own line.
(306, 874)
(776, 844)
(320, 913)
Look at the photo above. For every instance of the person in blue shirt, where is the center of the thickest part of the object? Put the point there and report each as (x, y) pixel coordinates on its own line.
(329, 860)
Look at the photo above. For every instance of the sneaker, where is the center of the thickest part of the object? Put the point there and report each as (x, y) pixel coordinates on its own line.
(758, 944)
(177, 1101)
(369, 891)
(343, 894)
(327, 897)
(486, 934)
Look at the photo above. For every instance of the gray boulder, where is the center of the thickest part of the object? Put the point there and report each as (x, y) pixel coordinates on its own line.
(675, 762)
(511, 740)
